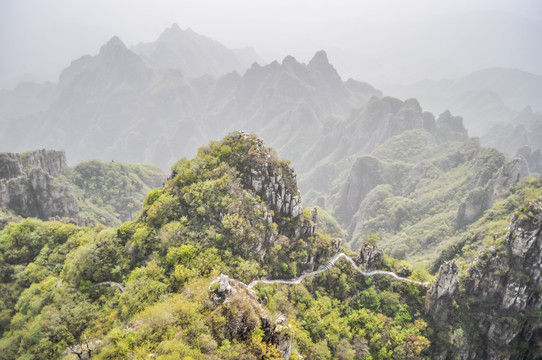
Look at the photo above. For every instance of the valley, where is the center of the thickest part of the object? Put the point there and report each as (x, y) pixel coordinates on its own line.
(193, 201)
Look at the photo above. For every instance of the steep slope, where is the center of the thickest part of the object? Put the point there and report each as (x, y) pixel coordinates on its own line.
(413, 180)
(28, 187)
(193, 54)
(113, 106)
(233, 209)
(491, 309)
(40, 184)
(364, 130)
(521, 131)
(152, 286)
(93, 102)
(485, 98)
(110, 193)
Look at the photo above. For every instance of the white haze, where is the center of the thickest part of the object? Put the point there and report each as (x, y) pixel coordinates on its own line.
(383, 42)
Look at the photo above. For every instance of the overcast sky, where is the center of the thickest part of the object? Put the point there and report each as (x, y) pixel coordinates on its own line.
(43, 36)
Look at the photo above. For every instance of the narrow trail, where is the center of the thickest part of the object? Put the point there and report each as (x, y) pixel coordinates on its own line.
(328, 266)
(112, 283)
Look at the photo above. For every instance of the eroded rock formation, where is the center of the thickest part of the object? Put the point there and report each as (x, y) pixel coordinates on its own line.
(370, 257)
(235, 302)
(28, 187)
(493, 311)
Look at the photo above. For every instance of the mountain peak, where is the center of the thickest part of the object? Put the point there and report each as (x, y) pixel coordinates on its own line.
(173, 30)
(289, 59)
(320, 67)
(113, 43)
(319, 58)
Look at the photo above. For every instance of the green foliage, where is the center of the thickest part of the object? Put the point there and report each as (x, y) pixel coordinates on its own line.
(204, 221)
(490, 230)
(415, 211)
(485, 252)
(144, 287)
(328, 224)
(111, 193)
(408, 147)
(101, 258)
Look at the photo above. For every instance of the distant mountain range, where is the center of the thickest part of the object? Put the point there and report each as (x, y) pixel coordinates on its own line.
(124, 106)
(483, 98)
(116, 105)
(193, 54)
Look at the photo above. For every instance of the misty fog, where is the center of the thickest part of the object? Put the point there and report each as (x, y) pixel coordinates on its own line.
(384, 43)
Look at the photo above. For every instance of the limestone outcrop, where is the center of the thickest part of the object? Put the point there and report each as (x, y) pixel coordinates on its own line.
(439, 296)
(237, 303)
(493, 311)
(533, 157)
(364, 176)
(275, 183)
(370, 257)
(484, 196)
(450, 128)
(28, 187)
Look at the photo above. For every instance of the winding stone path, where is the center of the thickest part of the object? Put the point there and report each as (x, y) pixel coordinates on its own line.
(112, 283)
(328, 266)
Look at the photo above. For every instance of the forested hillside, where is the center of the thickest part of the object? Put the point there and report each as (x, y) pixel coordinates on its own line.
(414, 240)
(151, 287)
(40, 184)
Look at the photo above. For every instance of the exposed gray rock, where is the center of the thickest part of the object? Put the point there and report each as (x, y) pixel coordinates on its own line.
(384, 118)
(439, 295)
(28, 188)
(364, 176)
(276, 185)
(533, 157)
(474, 206)
(370, 257)
(370, 205)
(224, 285)
(499, 297)
(509, 175)
(450, 128)
(487, 192)
(429, 122)
(249, 314)
(280, 334)
(13, 165)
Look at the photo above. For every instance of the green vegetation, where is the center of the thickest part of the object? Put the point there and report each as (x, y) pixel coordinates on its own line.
(489, 232)
(110, 193)
(206, 220)
(488, 268)
(415, 210)
(342, 315)
(216, 215)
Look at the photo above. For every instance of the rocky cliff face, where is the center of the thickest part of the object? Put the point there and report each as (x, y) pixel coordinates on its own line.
(450, 128)
(533, 157)
(488, 191)
(439, 296)
(237, 304)
(28, 188)
(258, 214)
(275, 183)
(365, 175)
(493, 311)
(370, 257)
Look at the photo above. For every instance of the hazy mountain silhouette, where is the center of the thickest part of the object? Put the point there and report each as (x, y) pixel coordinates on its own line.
(117, 105)
(195, 55)
(483, 98)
